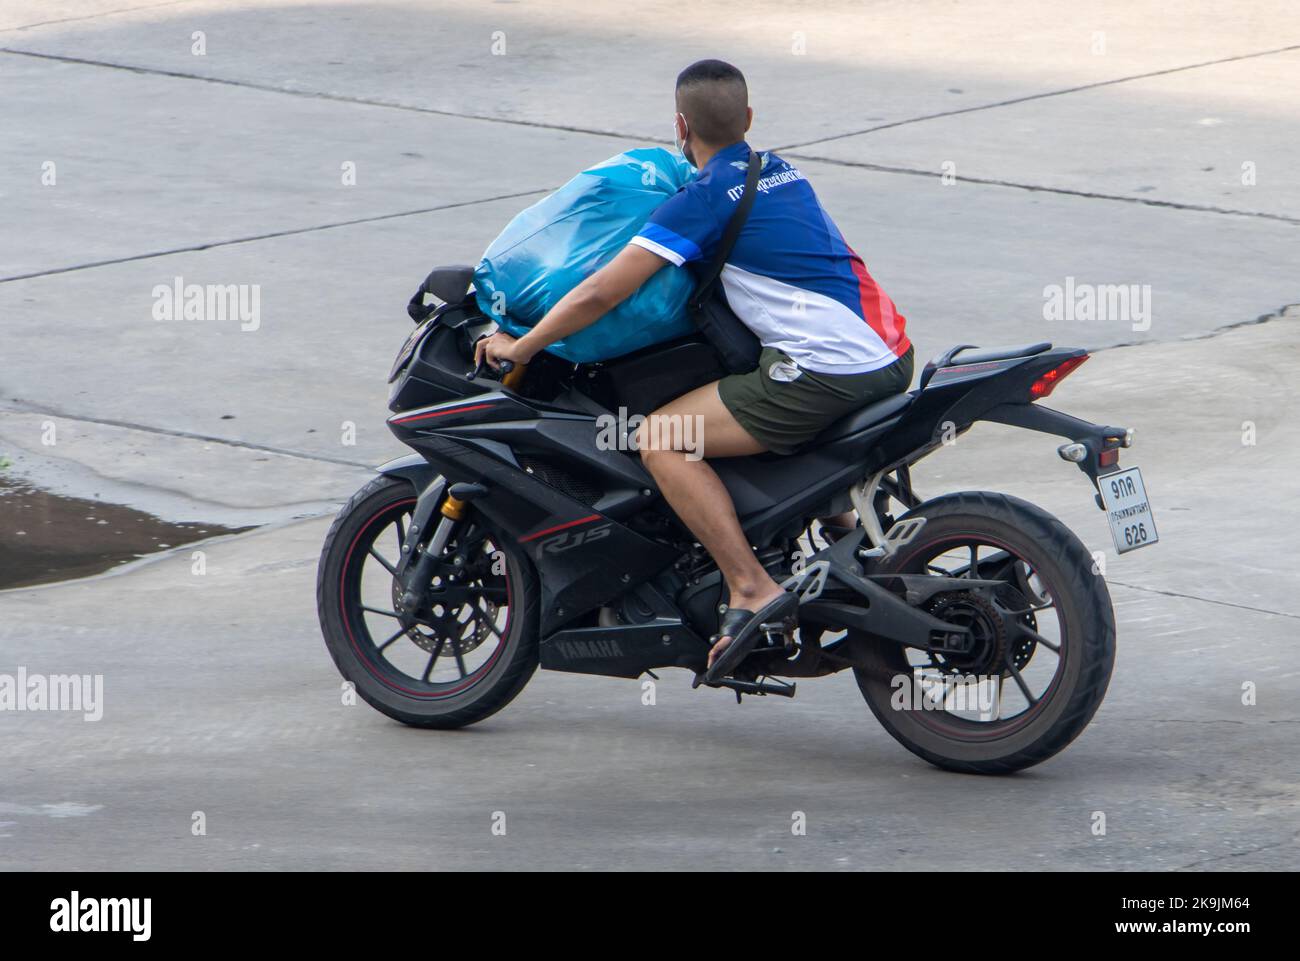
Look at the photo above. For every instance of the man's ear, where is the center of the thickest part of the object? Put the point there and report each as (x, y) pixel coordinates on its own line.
(749, 118)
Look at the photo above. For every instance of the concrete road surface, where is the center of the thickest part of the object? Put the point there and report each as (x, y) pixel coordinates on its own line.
(977, 154)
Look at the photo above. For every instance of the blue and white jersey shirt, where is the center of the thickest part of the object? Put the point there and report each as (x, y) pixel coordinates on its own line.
(791, 276)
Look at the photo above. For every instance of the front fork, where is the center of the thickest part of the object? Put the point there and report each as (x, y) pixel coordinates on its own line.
(433, 522)
(436, 518)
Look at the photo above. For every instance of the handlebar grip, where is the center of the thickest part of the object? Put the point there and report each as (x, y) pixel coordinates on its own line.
(506, 367)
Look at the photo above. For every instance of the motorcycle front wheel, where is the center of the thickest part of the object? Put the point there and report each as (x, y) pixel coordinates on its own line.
(460, 658)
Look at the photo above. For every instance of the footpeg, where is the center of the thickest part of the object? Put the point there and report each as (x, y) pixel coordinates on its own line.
(776, 637)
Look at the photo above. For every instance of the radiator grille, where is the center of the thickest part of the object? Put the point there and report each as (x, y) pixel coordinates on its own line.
(561, 480)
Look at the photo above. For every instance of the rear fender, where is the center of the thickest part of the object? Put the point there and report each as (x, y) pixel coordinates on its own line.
(1005, 398)
(950, 405)
(1000, 393)
(1095, 438)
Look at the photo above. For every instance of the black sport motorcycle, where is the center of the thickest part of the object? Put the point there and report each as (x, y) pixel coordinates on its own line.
(524, 531)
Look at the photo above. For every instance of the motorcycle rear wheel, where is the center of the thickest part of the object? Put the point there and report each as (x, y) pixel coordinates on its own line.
(1051, 578)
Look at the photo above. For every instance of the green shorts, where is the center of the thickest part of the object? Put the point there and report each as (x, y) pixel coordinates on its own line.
(783, 414)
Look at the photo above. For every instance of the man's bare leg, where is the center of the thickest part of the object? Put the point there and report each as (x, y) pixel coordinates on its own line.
(694, 490)
(837, 526)
(847, 519)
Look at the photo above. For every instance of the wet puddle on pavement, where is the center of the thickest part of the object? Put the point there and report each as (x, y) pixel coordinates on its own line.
(45, 537)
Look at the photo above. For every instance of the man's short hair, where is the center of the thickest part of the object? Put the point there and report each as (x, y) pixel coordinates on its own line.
(713, 96)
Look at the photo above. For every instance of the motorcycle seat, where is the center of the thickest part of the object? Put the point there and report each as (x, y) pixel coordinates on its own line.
(970, 354)
(973, 355)
(861, 420)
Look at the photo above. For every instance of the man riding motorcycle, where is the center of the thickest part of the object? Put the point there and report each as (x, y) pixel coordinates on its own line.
(832, 341)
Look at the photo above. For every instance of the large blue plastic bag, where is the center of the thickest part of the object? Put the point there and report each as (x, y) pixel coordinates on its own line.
(558, 242)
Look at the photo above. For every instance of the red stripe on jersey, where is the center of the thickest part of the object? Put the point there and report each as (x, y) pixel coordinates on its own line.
(877, 309)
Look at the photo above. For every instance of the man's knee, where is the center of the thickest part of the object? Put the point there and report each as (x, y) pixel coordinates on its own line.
(672, 433)
(647, 439)
(652, 456)
(651, 444)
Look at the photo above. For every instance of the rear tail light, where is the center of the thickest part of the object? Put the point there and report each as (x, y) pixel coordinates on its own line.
(1045, 384)
(1108, 458)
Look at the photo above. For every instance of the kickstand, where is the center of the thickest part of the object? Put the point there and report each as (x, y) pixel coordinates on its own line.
(764, 686)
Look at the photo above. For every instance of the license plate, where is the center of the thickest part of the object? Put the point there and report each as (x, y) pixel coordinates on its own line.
(1128, 510)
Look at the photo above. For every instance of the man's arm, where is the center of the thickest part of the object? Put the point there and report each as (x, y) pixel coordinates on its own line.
(581, 307)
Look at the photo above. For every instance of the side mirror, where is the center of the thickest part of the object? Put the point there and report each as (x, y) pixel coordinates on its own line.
(446, 285)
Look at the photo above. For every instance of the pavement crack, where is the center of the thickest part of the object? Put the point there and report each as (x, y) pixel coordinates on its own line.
(94, 16)
(1041, 188)
(591, 131)
(1280, 314)
(1272, 315)
(1207, 600)
(319, 95)
(23, 408)
(1039, 96)
(271, 235)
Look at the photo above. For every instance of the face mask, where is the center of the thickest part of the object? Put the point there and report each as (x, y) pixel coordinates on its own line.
(681, 143)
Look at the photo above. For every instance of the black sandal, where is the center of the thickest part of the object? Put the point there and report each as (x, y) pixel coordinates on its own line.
(745, 628)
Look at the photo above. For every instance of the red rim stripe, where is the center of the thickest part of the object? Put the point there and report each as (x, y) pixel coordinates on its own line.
(464, 683)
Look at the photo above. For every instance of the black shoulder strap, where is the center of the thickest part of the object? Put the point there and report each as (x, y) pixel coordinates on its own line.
(738, 218)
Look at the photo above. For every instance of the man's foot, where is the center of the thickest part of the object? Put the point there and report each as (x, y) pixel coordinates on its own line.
(742, 626)
(741, 602)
